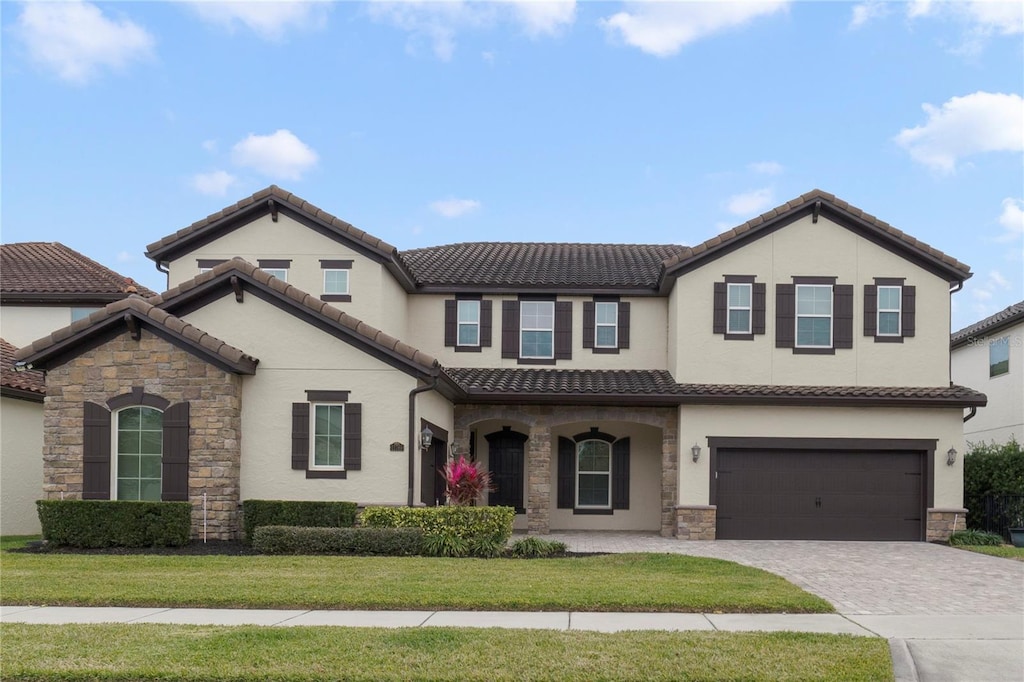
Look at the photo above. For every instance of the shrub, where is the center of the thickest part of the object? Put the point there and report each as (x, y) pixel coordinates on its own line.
(450, 531)
(991, 469)
(115, 523)
(256, 513)
(299, 540)
(537, 548)
(466, 482)
(975, 537)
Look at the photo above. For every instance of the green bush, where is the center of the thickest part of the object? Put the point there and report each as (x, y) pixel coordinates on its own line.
(115, 523)
(991, 468)
(537, 548)
(450, 531)
(319, 514)
(975, 537)
(299, 540)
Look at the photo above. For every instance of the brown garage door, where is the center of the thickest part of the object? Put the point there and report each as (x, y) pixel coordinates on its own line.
(767, 494)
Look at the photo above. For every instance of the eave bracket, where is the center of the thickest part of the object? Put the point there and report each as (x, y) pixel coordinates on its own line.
(816, 211)
(273, 209)
(133, 327)
(236, 285)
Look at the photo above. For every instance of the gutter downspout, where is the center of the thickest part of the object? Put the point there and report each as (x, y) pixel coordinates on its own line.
(970, 416)
(414, 441)
(162, 267)
(949, 369)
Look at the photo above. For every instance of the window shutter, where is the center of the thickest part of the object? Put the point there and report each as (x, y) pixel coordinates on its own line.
(620, 474)
(451, 331)
(759, 307)
(96, 452)
(721, 310)
(842, 298)
(566, 473)
(300, 435)
(909, 308)
(563, 330)
(175, 457)
(870, 310)
(785, 315)
(510, 329)
(485, 324)
(624, 325)
(353, 436)
(589, 323)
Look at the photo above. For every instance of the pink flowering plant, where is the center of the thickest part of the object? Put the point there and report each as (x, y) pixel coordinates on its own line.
(466, 482)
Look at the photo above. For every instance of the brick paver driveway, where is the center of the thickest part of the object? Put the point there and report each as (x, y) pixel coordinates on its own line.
(858, 578)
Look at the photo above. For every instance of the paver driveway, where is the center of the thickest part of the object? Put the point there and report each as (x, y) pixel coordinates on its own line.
(858, 578)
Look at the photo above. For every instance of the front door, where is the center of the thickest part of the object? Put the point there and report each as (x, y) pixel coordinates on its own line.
(507, 459)
(432, 485)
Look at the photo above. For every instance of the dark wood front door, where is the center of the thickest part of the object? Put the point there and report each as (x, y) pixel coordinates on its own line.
(506, 460)
(432, 485)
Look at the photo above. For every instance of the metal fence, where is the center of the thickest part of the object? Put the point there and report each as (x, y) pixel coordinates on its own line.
(1003, 512)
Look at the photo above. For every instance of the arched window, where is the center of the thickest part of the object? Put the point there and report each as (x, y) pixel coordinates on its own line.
(594, 474)
(139, 448)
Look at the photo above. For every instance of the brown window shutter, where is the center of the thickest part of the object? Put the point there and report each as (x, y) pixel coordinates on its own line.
(721, 310)
(563, 330)
(759, 307)
(909, 308)
(353, 436)
(624, 325)
(175, 457)
(485, 324)
(510, 329)
(842, 299)
(870, 310)
(589, 323)
(451, 324)
(300, 435)
(620, 474)
(566, 473)
(785, 315)
(96, 452)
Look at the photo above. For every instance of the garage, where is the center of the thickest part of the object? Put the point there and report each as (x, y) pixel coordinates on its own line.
(803, 489)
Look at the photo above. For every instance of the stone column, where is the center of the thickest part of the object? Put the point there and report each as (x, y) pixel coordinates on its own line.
(538, 472)
(669, 474)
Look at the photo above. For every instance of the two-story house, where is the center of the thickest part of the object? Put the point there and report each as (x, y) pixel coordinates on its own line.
(786, 379)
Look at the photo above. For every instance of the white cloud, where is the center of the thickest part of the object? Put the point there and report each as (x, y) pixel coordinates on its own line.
(124, 257)
(750, 203)
(1012, 220)
(76, 40)
(544, 17)
(268, 20)
(981, 19)
(867, 11)
(766, 167)
(214, 184)
(963, 126)
(454, 208)
(663, 28)
(279, 155)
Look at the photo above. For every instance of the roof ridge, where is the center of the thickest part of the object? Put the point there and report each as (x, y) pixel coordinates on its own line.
(1005, 316)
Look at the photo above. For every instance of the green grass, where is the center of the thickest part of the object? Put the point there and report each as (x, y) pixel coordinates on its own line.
(1004, 551)
(151, 652)
(618, 582)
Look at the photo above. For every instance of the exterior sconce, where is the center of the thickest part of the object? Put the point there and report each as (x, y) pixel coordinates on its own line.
(426, 438)
(454, 448)
(696, 452)
(951, 457)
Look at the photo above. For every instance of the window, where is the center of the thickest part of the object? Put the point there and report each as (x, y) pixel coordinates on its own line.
(328, 436)
(739, 309)
(336, 282)
(280, 273)
(999, 357)
(202, 270)
(606, 324)
(81, 313)
(813, 316)
(139, 449)
(594, 474)
(537, 329)
(889, 299)
(276, 267)
(889, 310)
(468, 323)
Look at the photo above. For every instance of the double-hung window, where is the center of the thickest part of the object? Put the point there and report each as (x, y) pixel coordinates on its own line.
(328, 431)
(813, 316)
(468, 320)
(606, 324)
(594, 475)
(889, 310)
(999, 357)
(537, 329)
(739, 308)
(139, 450)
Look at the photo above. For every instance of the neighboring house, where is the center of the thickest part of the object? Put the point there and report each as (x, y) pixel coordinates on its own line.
(43, 286)
(989, 356)
(786, 379)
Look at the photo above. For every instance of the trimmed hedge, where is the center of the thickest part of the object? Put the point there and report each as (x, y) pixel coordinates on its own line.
(115, 523)
(319, 514)
(991, 468)
(537, 548)
(450, 531)
(298, 540)
(975, 538)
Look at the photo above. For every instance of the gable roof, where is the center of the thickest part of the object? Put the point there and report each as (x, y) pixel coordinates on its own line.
(50, 272)
(129, 314)
(1009, 316)
(25, 385)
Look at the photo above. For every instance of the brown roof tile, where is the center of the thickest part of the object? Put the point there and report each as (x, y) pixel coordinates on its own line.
(50, 268)
(24, 382)
(1004, 318)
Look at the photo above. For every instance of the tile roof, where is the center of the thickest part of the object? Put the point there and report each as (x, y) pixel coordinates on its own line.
(515, 264)
(50, 268)
(1004, 318)
(19, 383)
(810, 395)
(564, 381)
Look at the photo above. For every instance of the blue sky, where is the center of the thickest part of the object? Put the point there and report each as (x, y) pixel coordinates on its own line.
(438, 122)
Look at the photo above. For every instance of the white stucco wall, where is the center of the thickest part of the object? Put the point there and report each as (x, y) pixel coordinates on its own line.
(822, 249)
(20, 325)
(1003, 417)
(21, 465)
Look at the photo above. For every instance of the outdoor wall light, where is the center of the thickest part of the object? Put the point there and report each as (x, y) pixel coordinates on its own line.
(951, 456)
(696, 452)
(454, 448)
(426, 438)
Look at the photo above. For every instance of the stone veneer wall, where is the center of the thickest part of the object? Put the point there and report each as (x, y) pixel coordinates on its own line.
(159, 368)
(696, 522)
(944, 522)
(541, 418)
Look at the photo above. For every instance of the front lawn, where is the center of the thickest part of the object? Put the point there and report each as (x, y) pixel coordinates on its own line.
(1004, 551)
(150, 652)
(617, 582)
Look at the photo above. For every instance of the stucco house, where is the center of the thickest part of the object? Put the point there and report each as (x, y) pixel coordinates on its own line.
(989, 356)
(788, 378)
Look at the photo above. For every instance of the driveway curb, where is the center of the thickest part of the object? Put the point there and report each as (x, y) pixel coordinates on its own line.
(903, 666)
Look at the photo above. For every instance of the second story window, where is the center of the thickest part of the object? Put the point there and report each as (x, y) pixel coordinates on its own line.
(889, 310)
(537, 329)
(813, 316)
(606, 324)
(468, 323)
(999, 357)
(739, 312)
(337, 281)
(276, 267)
